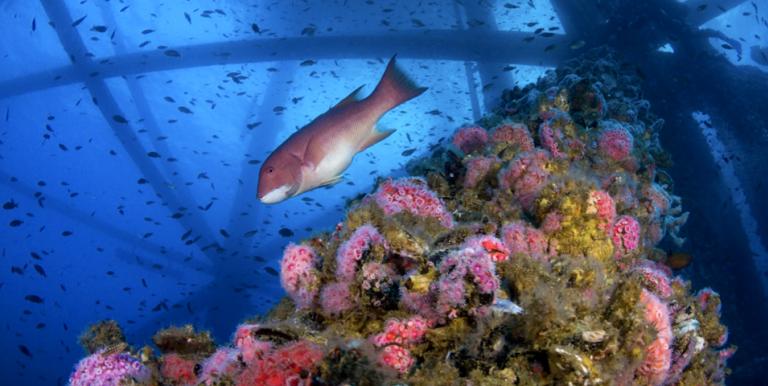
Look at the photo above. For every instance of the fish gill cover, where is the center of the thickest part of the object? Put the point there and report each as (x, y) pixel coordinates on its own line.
(521, 252)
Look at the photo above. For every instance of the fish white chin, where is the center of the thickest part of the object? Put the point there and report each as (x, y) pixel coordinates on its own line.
(276, 195)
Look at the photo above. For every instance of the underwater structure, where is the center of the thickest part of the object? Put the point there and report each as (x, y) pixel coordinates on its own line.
(150, 237)
(522, 251)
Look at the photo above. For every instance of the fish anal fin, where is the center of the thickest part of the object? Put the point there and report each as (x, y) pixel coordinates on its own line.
(352, 97)
(332, 181)
(375, 137)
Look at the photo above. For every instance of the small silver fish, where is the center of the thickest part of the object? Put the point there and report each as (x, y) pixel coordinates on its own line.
(506, 306)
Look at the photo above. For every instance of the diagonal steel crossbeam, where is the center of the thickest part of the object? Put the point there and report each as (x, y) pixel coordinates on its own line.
(260, 143)
(578, 17)
(702, 11)
(473, 45)
(93, 222)
(154, 131)
(482, 46)
(124, 131)
(229, 272)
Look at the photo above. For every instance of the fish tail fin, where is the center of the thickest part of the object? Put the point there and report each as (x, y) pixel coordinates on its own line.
(395, 87)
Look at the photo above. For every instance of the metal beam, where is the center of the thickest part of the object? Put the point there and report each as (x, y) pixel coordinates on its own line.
(154, 131)
(492, 79)
(702, 11)
(175, 270)
(259, 143)
(72, 43)
(91, 221)
(217, 306)
(230, 270)
(483, 46)
(578, 17)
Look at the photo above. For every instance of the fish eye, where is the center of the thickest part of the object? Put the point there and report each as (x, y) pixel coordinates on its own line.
(270, 169)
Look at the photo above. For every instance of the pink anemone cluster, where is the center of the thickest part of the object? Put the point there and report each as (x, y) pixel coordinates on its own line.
(246, 342)
(707, 297)
(470, 138)
(477, 170)
(299, 275)
(553, 222)
(464, 274)
(290, 364)
(656, 199)
(601, 205)
(222, 363)
(398, 335)
(526, 175)
(616, 143)
(336, 298)
(402, 331)
(102, 368)
(460, 270)
(522, 238)
(396, 357)
(658, 355)
(351, 251)
(412, 195)
(255, 362)
(515, 134)
(625, 235)
(655, 280)
(551, 138)
(377, 277)
(494, 247)
(178, 369)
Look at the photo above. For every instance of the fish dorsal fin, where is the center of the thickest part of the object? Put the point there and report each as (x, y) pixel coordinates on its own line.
(352, 97)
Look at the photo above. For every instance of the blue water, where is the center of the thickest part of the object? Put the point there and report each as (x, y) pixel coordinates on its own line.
(132, 132)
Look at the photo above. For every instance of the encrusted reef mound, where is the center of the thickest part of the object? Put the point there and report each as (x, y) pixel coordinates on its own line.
(522, 251)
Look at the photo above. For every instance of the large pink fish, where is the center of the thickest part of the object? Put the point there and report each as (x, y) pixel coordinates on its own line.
(317, 154)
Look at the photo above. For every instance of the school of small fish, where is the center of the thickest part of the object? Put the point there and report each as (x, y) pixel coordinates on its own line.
(27, 200)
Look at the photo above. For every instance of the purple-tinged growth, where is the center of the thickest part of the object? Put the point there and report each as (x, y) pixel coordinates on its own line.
(105, 369)
(625, 235)
(335, 298)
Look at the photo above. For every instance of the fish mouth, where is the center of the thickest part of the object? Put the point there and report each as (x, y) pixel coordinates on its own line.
(276, 195)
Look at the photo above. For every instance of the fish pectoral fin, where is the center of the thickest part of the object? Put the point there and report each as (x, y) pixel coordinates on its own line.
(352, 97)
(307, 169)
(374, 138)
(292, 191)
